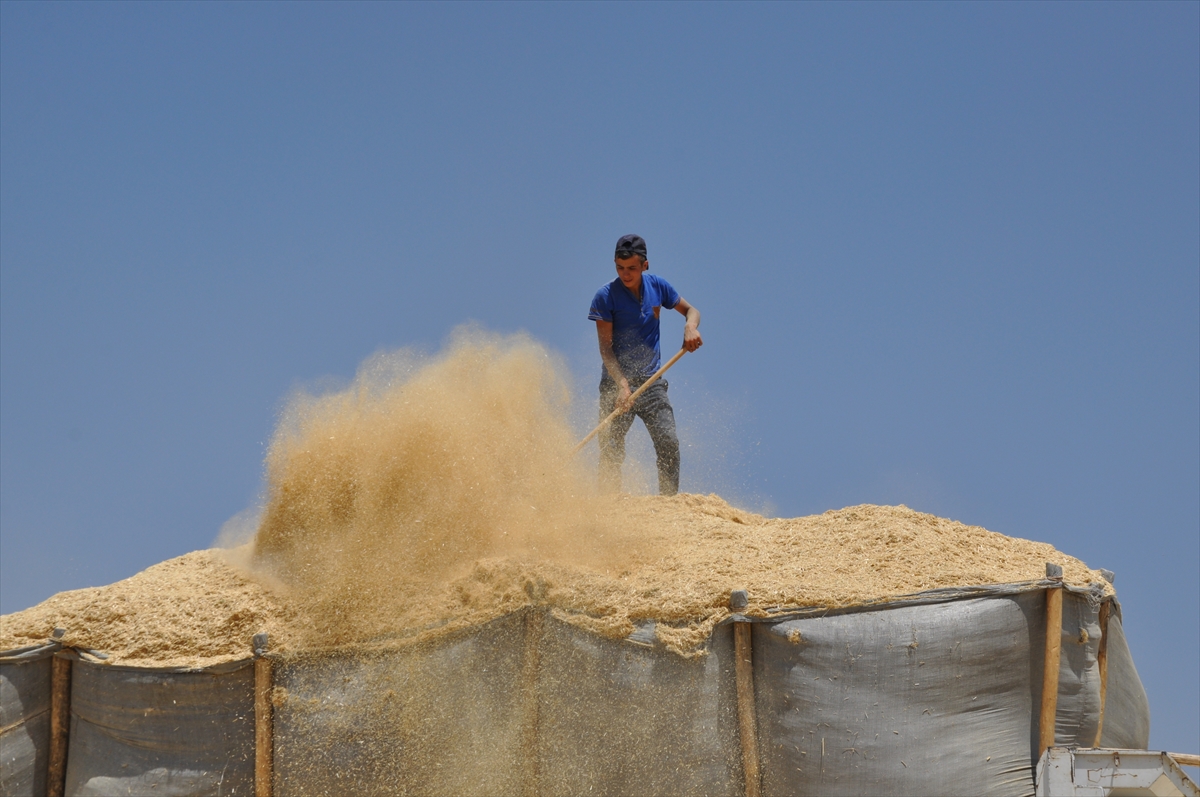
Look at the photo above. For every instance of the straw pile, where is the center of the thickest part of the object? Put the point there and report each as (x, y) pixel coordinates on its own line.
(202, 608)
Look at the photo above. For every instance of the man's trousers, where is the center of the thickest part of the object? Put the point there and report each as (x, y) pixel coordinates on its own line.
(654, 408)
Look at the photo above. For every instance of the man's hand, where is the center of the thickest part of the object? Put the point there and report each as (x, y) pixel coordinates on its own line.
(604, 335)
(691, 329)
(624, 397)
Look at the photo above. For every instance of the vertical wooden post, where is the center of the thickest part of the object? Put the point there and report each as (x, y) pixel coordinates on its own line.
(743, 652)
(1053, 653)
(60, 725)
(264, 719)
(534, 620)
(1102, 662)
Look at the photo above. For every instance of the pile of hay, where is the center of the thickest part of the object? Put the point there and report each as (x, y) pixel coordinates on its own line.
(692, 550)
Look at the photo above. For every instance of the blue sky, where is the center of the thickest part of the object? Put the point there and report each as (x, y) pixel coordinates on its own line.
(948, 255)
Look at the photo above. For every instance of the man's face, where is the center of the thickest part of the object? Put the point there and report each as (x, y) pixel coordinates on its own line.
(629, 270)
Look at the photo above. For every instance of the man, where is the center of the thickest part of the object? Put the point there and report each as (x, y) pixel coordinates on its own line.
(626, 315)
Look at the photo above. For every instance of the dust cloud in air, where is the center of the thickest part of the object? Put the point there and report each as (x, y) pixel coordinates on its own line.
(422, 467)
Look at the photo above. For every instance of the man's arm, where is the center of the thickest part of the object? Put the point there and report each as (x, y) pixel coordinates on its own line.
(691, 329)
(604, 332)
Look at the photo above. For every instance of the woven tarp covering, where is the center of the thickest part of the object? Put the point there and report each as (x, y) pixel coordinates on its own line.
(25, 719)
(938, 694)
(619, 718)
(904, 702)
(445, 718)
(139, 731)
(1126, 709)
(933, 698)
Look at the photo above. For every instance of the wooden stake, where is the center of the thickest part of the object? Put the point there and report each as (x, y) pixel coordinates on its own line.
(264, 725)
(747, 716)
(1102, 662)
(1050, 671)
(529, 682)
(60, 725)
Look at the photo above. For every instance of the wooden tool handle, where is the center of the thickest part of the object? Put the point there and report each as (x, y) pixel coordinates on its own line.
(632, 398)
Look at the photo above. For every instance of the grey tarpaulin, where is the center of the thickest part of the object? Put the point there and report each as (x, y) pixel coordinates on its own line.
(623, 718)
(933, 694)
(1126, 708)
(927, 699)
(511, 707)
(25, 719)
(934, 699)
(438, 718)
(163, 732)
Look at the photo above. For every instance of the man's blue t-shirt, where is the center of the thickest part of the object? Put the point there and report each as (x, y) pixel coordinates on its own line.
(635, 324)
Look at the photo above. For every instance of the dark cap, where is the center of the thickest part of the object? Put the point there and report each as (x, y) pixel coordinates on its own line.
(630, 245)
